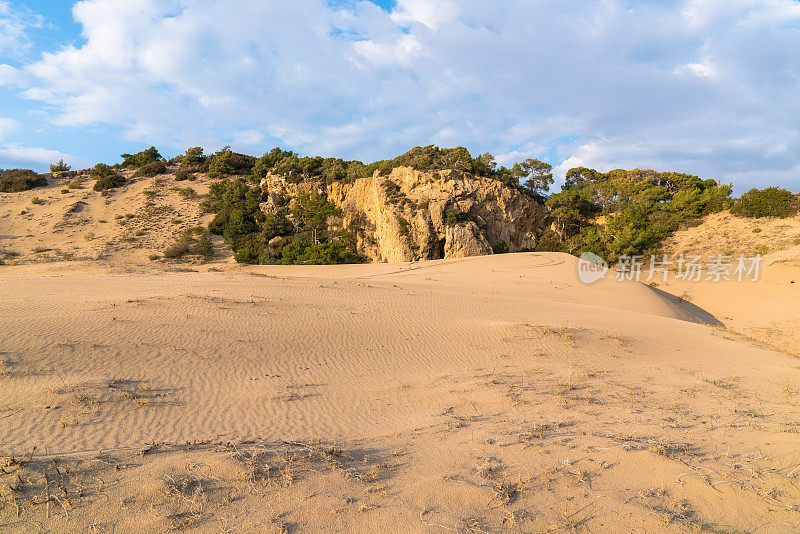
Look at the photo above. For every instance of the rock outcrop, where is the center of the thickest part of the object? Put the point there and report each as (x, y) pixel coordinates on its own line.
(412, 215)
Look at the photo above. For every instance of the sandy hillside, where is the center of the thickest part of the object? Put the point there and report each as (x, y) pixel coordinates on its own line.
(127, 225)
(768, 311)
(489, 394)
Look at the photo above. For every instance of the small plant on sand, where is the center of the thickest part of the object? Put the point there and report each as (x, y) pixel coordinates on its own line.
(77, 182)
(64, 191)
(154, 257)
(37, 200)
(756, 230)
(183, 175)
(193, 242)
(106, 178)
(187, 192)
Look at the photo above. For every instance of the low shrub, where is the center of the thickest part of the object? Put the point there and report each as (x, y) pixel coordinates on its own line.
(195, 242)
(183, 175)
(64, 191)
(77, 182)
(769, 202)
(106, 178)
(500, 247)
(193, 160)
(16, 180)
(37, 200)
(140, 159)
(187, 192)
(151, 169)
(229, 163)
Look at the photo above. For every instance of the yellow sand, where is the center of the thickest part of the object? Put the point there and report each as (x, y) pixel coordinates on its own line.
(491, 394)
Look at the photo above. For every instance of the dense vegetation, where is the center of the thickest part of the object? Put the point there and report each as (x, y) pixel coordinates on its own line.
(106, 178)
(151, 169)
(769, 202)
(296, 235)
(621, 212)
(627, 212)
(140, 159)
(16, 180)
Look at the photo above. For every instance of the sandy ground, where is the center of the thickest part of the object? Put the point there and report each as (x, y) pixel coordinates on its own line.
(491, 394)
(768, 311)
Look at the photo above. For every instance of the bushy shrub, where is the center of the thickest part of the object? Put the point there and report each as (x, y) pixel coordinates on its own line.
(195, 242)
(77, 182)
(769, 202)
(151, 169)
(16, 180)
(501, 247)
(106, 178)
(187, 192)
(140, 159)
(229, 163)
(182, 175)
(193, 158)
(59, 167)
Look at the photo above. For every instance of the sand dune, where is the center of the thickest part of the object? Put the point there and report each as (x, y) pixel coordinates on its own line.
(490, 394)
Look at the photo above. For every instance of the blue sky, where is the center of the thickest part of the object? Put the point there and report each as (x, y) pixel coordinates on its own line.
(702, 86)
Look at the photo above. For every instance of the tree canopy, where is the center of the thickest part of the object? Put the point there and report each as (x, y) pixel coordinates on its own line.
(627, 212)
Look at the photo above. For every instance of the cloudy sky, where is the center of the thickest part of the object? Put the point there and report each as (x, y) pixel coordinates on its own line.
(710, 87)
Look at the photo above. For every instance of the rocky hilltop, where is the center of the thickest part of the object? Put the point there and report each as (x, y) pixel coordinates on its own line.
(412, 215)
(402, 215)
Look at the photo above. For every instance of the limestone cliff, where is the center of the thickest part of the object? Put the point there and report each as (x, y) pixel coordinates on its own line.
(411, 215)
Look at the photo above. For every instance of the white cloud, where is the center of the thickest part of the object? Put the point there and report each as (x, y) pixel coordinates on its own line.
(708, 86)
(14, 25)
(701, 70)
(7, 126)
(431, 14)
(26, 156)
